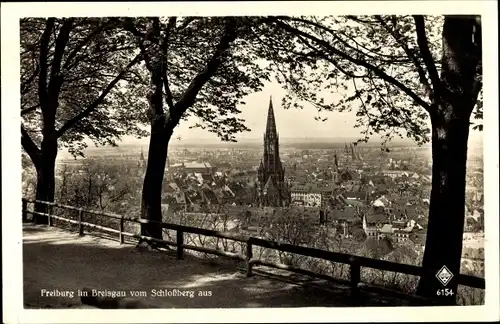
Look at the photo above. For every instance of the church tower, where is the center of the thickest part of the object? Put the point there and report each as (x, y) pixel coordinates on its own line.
(336, 171)
(271, 173)
(141, 164)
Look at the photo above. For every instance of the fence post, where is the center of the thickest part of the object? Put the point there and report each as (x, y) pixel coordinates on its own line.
(355, 279)
(49, 219)
(180, 243)
(355, 273)
(80, 220)
(249, 258)
(25, 210)
(121, 230)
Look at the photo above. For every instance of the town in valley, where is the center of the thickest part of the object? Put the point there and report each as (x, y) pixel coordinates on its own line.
(246, 160)
(363, 199)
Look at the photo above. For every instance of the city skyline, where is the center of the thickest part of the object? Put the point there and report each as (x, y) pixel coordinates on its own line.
(292, 123)
(293, 193)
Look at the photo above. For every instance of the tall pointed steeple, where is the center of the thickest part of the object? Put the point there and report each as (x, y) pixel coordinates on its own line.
(142, 162)
(271, 123)
(271, 171)
(353, 154)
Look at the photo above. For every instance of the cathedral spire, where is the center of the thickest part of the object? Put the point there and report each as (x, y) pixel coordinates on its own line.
(271, 172)
(271, 123)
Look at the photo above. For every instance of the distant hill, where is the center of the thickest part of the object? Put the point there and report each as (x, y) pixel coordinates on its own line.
(287, 142)
(297, 143)
(300, 143)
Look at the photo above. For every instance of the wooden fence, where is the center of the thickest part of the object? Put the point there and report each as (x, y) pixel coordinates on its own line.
(355, 262)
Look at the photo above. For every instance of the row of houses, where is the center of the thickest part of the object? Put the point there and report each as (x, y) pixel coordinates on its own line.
(398, 231)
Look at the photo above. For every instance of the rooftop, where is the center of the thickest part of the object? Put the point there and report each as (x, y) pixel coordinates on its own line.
(196, 165)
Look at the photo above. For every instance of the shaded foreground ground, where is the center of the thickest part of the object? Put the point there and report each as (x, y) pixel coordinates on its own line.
(59, 259)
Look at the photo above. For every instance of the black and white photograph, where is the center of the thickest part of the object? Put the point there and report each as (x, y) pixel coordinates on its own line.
(181, 158)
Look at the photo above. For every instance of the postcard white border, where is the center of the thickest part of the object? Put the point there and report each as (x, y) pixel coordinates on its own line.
(11, 149)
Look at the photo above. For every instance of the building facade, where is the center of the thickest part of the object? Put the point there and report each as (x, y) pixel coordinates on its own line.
(272, 188)
(309, 195)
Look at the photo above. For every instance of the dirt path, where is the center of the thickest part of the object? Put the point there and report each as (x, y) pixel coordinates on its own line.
(55, 259)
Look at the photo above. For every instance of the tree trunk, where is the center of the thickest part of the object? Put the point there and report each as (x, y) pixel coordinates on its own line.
(153, 180)
(158, 142)
(45, 186)
(163, 123)
(453, 104)
(443, 246)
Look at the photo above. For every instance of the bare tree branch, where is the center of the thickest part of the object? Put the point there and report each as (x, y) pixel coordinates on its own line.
(186, 22)
(30, 147)
(169, 97)
(357, 19)
(426, 53)
(44, 50)
(334, 33)
(128, 25)
(87, 39)
(356, 61)
(421, 73)
(29, 109)
(85, 113)
(26, 83)
(189, 96)
(55, 77)
(331, 60)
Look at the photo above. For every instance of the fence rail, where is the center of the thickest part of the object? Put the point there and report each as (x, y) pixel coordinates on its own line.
(355, 262)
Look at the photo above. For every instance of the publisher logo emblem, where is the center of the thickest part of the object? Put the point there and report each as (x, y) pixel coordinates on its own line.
(444, 275)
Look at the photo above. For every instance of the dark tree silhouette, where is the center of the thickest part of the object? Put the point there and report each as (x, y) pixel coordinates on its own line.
(70, 69)
(199, 67)
(403, 70)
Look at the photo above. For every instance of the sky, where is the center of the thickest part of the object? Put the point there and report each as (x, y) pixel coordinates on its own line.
(290, 123)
